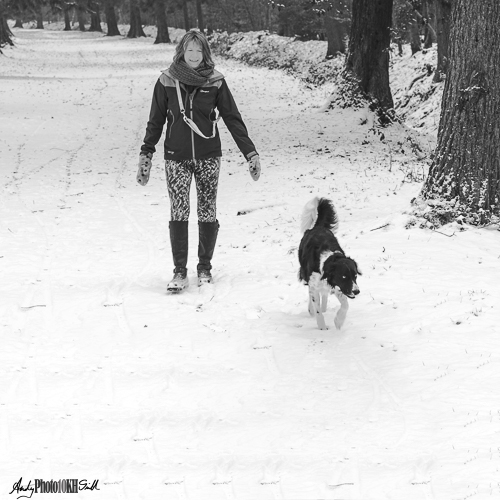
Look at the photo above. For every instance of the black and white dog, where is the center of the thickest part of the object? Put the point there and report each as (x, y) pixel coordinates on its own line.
(324, 266)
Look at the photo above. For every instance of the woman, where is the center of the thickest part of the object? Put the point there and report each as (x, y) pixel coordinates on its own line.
(186, 96)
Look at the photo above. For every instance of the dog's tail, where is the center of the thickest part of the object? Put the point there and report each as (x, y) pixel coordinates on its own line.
(319, 212)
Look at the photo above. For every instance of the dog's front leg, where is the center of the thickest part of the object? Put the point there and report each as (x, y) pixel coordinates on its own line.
(324, 301)
(342, 312)
(314, 301)
(310, 307)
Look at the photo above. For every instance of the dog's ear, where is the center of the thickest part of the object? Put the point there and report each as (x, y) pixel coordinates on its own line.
(327, 267)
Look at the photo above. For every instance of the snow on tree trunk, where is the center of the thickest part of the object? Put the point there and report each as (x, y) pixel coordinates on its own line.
(464, 177)
(369, 42)
(162, 35)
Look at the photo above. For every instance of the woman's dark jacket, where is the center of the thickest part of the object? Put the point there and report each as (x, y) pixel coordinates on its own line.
(181, 143)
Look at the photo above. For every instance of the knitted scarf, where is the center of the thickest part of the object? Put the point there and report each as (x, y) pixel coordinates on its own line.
(184, 73)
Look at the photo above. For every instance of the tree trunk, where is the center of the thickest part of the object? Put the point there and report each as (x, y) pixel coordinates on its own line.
(162, 35)
(336, 30)
(465, 170)
(67, 21)
(443, 18)
(135, 21)
(428, 31)
(187, 25)
(39, 15)
(199, 15)
(369, 43)
(415, 42)
(19, 23)
(111, 21)
(80, 14)
(95, 17)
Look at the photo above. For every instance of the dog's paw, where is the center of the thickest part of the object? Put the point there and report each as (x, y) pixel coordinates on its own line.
(322, 325)
(338, 323)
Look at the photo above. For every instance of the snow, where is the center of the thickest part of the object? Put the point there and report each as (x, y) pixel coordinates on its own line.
(231, 391)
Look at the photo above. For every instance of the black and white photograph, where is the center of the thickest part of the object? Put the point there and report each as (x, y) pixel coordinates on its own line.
(250, 249)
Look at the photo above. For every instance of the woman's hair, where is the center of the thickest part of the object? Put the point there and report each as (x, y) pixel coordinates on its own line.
(194, 35)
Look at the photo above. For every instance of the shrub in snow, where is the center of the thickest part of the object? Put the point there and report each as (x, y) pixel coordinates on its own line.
(306, 60)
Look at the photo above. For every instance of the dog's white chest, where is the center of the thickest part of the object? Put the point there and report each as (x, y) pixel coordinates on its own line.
(319, 285)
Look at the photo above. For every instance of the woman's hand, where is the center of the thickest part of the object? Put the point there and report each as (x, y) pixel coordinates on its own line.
(144, 169)
(254, 167)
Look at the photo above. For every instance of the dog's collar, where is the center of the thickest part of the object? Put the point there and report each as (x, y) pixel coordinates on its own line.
(339, 252)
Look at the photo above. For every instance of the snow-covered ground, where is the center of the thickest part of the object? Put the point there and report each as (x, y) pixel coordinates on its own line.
(229, 392)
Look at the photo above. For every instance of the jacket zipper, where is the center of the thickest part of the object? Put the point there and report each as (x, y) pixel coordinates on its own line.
(192, 133)
(172, 124)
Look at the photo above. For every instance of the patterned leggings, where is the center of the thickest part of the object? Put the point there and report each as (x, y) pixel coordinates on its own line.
(206, 176)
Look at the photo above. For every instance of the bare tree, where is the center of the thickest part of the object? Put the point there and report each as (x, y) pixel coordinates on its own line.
(465, 171)
(443, 17)
(368, 58)
(81, 11)
(337, 22)
(185, 10)
(5, 32)
(415, 41)
(95, 16)
(64, 6)
(199, 15)
(162, 35)
(135, 30)
(427, 20)
(111, 21)
(67, 21)
(39, 14)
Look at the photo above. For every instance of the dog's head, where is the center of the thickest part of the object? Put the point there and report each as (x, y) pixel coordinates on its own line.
(341, 273)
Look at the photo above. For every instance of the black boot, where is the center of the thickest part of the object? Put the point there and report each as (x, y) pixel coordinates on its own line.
(179, 244)
(207, 237)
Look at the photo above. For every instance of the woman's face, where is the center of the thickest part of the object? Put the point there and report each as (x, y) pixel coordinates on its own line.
(193, 54)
